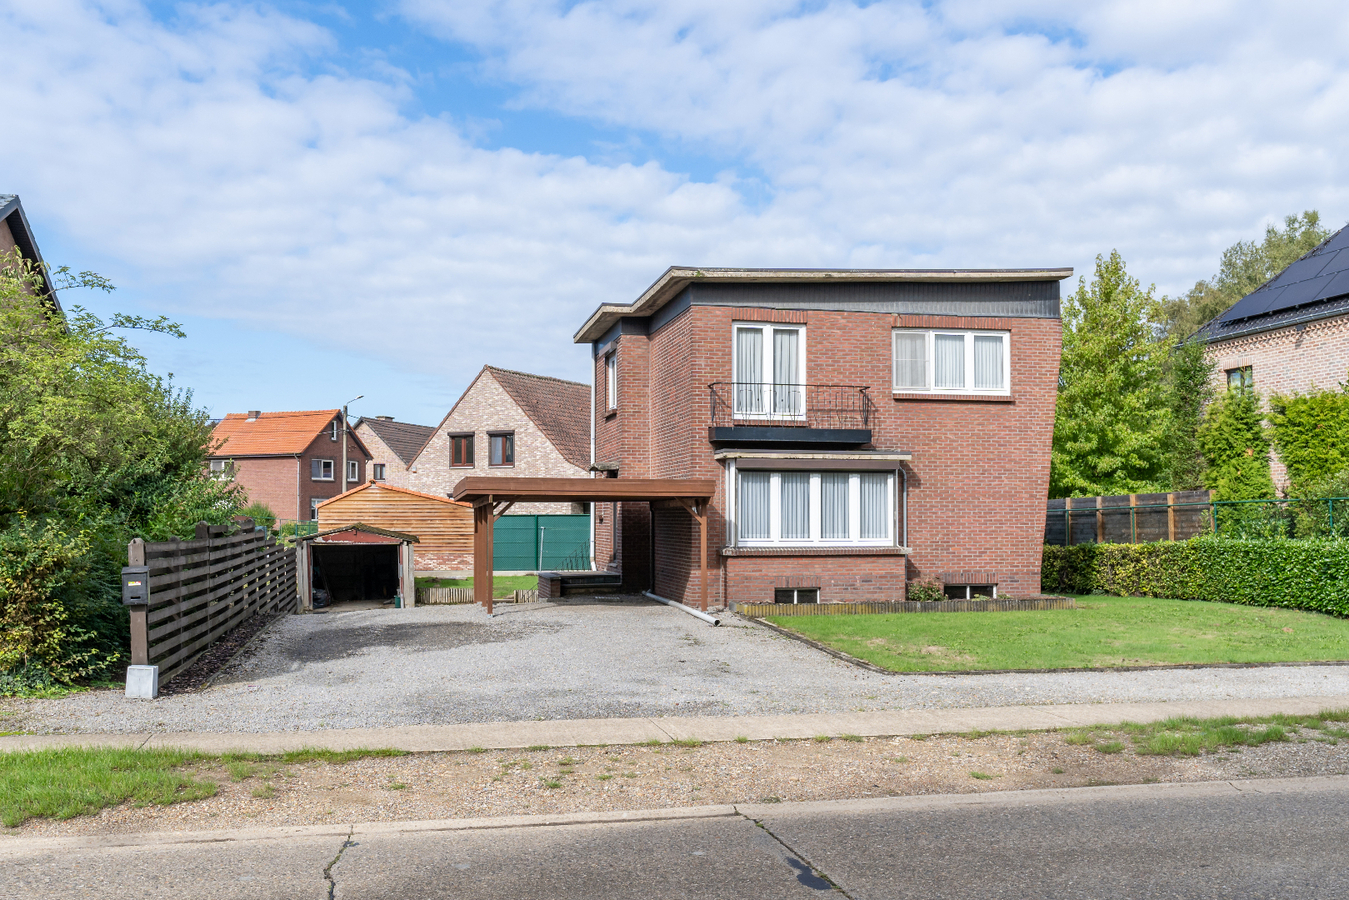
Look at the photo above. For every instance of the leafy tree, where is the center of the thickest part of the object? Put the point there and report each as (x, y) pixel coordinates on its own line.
(1113, 417)
(1311, 433)
(1236, 445)
(1245, 266)
(1189, 386)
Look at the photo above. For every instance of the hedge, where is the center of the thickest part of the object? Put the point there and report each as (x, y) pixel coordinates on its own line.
(1308, 574)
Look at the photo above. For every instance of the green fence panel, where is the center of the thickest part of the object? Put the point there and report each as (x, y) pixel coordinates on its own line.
(533, 543)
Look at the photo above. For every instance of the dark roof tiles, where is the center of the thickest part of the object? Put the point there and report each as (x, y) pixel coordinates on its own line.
(403, 438)
(560, 408)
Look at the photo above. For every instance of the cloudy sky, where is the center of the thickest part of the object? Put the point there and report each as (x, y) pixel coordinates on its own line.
(342, 198)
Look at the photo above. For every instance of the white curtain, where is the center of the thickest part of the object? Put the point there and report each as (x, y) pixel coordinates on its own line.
(749, 397)
(911, 360)
(795, 505)
(834, 506)
(875, 505)
(949, 360)
(754, 507)
(787, 400)
(988, 362)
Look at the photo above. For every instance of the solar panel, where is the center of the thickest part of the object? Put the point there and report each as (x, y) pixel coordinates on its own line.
(1312, 279)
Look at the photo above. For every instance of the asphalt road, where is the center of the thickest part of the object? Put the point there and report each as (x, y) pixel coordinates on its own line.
(1249, 839)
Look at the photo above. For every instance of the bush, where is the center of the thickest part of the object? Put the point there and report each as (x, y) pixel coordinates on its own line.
(1310, 574)
(928, 591)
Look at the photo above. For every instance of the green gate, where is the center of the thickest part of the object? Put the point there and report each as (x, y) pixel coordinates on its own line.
(541, 543)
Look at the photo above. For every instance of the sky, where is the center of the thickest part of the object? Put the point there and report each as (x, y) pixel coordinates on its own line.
(377, 198)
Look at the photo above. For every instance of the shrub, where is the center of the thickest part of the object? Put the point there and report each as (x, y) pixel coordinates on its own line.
(1235, 444)
(1310, 574)
(1311, 433)
(927, 591)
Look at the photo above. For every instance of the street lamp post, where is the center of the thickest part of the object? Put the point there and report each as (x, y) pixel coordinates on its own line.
(342, 486)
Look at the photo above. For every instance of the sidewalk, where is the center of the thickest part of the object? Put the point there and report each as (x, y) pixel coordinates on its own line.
(581, 732)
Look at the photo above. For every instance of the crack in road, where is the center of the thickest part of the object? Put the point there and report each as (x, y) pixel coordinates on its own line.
(328, 869)
(807, 873)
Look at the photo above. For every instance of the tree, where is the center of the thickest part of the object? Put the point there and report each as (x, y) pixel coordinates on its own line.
(1245, 266)
(1236, 445)
(1189, 387)
(1113, 419)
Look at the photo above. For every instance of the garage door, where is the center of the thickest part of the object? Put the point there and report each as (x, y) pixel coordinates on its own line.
(541, 543)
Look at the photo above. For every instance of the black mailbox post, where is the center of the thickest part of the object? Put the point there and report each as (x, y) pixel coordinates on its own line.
(135, 585)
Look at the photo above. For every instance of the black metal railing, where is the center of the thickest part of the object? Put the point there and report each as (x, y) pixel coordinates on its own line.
(832, 406)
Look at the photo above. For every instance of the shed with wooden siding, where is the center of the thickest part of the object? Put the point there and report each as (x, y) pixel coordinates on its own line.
(443, 527)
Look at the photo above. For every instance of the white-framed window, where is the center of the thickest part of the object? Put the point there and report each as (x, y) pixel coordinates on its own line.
(222, 468)
(769, 368)
(321, 470)
(332, 432)
(353, 470)
(943, 361)
(611, 381)
(378, 473)
(314, 508)
(814, 508)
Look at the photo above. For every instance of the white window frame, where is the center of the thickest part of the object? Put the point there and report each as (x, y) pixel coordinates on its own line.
(324, 465)
(854, 539)
(766, 376)
(611, 381)
(332, 435)
(931, 362)
(353, 471)
(314, 508)
(222, 469)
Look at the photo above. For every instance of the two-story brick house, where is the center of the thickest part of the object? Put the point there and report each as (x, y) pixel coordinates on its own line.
(291, 461)
(393, 446)
(866, 429)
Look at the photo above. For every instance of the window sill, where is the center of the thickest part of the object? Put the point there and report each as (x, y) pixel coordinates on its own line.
(323, 480)
(955, 398)
(610, 414)
(814, 551)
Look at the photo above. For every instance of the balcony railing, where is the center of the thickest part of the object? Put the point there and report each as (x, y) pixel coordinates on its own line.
(832, 407)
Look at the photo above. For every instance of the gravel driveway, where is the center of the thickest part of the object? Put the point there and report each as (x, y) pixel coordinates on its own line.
(573, 660)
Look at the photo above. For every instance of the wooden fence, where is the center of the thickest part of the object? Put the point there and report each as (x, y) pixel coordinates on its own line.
(200, 590)
(438, 596)
(1128, 518)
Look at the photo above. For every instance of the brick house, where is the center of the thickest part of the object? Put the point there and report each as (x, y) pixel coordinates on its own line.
(865, 429)
(290, 461)
(509, 423)
(16, 236)
(1292, 333)
(393, 446)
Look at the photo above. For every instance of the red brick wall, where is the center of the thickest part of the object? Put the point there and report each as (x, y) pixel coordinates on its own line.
(841, 579)
(269, 480)
(423, 561)
(324, 447)
(976, 486)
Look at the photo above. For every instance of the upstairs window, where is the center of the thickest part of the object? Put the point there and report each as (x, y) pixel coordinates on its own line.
(222, 468)
(611, 381)
(461, 450)
(321, 469)
(1241, 379)
(769, 368)
(353, 471)
(815, 508)
(377, 473)
(314, 508)
(502, 449)
(332, 432)
(951, 362)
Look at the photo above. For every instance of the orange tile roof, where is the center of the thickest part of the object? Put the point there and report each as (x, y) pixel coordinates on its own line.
(272, 433)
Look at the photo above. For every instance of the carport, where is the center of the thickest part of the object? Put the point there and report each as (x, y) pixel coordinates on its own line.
(493, 496)
(356, 562)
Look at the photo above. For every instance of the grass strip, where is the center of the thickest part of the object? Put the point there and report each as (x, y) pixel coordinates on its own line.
(1188, 736)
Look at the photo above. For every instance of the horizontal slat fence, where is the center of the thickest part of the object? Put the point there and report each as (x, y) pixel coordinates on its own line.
(1128, 518)
(202, 589)
(441, 596)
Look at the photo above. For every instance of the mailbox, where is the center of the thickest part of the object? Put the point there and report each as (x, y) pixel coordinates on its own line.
(135, 585)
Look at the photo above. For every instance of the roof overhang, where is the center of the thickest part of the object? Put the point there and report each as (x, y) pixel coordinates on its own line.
(676, 278)
(840, 460)
(320, 536)
(479, 490)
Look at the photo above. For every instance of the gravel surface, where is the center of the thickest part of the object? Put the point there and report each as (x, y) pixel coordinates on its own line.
(569, 660)
(594, 779)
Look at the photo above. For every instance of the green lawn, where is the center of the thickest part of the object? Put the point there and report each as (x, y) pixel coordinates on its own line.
(1102, 632)
(502, 585)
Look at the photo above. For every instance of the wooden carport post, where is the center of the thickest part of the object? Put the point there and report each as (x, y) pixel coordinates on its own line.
(485, 515)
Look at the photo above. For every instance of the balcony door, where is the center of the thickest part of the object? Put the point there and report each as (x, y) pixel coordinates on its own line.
(770, 367)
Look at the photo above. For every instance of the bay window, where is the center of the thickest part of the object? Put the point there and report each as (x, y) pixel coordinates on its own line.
(955, 362)
(769, 368)
(815, 508)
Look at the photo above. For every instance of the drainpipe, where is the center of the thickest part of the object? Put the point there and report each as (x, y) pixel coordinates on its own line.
(696, 613)
(904, 504)
(592, 453)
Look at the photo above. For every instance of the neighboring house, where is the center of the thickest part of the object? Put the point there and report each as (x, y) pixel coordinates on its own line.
(443, 528)
(866, 429)
(290, 461)
(509, 423)
(393, 446)
(17, 235)
(1290, 334)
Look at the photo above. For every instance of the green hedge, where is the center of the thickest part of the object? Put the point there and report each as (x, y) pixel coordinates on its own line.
(1306, 574)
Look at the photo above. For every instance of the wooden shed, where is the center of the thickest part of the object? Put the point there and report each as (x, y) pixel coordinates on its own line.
(443, 527)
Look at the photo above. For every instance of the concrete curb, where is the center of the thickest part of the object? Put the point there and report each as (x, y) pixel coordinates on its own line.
(591, 732)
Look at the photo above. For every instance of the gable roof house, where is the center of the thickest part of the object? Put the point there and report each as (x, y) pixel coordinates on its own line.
(17, 235)
(1291, 333)
(393, 446)
(290, 461)
(509, 423)
(864, 429)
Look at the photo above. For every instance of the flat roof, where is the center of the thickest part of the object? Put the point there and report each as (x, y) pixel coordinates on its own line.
(522, 489)
(676, 278)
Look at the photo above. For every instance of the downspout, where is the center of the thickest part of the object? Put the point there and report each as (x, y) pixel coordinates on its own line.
(696, 613)
(904, 505)
(592, 453)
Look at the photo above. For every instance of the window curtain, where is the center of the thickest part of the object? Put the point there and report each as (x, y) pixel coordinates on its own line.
(875, 505)
(988, 362)
(911, 360)
(795, 505)
(749, 374)
(834, 506)
(787, 399)
(949, 359)
(754, 487)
